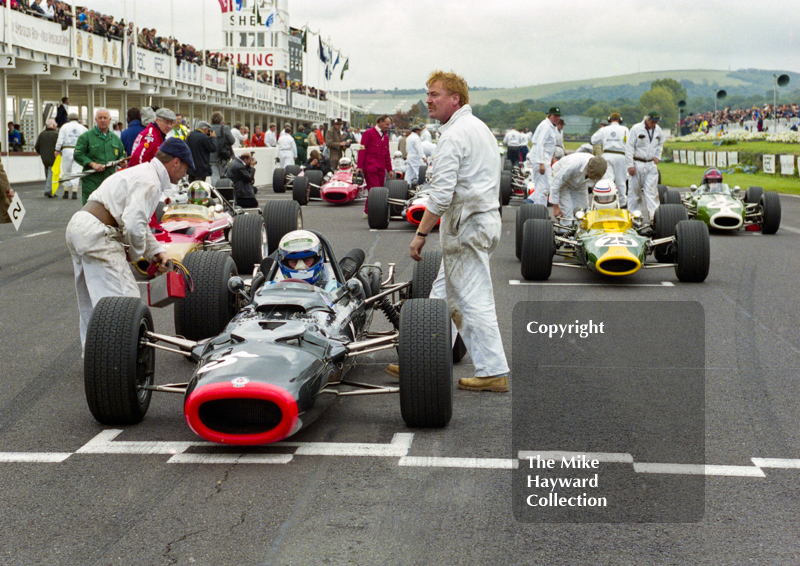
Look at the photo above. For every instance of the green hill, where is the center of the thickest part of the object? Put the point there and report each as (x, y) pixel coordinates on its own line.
(698, 83)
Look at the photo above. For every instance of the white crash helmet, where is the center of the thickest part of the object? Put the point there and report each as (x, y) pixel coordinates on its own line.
(199, 192)
(398, 155)
(304, 248)
(345, 163)
(605, 195)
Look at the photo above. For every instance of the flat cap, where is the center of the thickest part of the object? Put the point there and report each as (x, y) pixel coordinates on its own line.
(202, 125)
(166, 114)
(596, 168)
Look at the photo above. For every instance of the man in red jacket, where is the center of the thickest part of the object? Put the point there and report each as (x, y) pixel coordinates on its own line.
(374, 158)
(150, 139)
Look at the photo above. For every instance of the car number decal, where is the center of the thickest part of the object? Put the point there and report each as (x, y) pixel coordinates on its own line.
(624, 241)
(224, 361)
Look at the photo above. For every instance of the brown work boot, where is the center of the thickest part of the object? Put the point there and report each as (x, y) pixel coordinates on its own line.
(393, 370)
(497, 383)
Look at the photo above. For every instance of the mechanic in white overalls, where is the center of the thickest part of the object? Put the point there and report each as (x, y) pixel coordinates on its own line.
(65, 144)
(287, 148)
(545, 139)
(464, 185)
(613, 138)
(113, 227)
(642, 154)
(577, 172)
(415, 156)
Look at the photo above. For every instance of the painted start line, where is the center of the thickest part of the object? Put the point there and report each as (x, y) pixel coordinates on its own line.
(206, 453)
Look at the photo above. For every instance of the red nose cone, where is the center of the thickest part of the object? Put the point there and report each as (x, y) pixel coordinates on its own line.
(415, 212)
(241, 412)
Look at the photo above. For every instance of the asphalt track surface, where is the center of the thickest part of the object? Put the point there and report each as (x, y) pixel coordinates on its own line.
(360, 487)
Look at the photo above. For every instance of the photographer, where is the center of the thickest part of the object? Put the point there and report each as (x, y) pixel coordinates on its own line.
(202, 142)
(242, 172)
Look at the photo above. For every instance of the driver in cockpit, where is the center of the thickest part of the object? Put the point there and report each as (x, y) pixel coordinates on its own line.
(712, 181)
(302, 257)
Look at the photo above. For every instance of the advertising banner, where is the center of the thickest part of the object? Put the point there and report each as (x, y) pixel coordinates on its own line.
(38, 35)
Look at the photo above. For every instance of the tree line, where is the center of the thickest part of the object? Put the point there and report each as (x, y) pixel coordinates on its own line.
(664, 95)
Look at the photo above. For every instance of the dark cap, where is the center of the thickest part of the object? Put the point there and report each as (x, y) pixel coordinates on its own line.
(555, 110)
(176, 147)
(337, 121)
(596, 168)
(654, 115)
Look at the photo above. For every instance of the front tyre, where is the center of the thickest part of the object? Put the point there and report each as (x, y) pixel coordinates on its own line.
(300, 190)
(117, 366)
(770, 213)
(692, 251)
(206, 311)
(538, 248)
(426, 363)
(279, 180)
(378, 208)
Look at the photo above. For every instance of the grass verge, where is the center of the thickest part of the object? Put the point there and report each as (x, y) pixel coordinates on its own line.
(678, 175)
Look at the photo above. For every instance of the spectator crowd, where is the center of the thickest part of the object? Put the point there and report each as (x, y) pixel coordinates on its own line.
(761, 115)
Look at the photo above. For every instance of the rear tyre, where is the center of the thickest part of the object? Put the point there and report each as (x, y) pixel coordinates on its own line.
(505, 187)
(314, 182)
(770, 213)
(426, 363)
(293, 170)
(662, 189)
(753, 195)
(279, 180)
(692, 251)
(248, 238)
(665, 219)
(538, 248)
(116, 364)
(160, 210)
(425, 272)
(459, 348)
(280, 218)
(378, 208)
(423, 170)
(507, 165)
(527, 211)
(206, 311)
(300, 190)
(669, 196)
(398, 189)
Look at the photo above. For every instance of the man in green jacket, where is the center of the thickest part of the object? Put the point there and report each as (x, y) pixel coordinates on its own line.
(94, 149)
(301, 139)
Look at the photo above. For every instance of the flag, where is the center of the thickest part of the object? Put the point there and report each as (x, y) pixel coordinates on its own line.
(305, 45)
(322, 52)
(238, 5)
(271, 18)
(346, 66)
(337, 60)
(256, 13)
(328, 72)
(225, 5)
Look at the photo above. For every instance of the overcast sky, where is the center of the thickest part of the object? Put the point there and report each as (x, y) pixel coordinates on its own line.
(509, 43)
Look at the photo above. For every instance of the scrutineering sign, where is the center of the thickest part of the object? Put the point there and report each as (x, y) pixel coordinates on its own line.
(607, 396)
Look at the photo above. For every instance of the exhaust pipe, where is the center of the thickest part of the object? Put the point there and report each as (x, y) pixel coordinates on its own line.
(241, 412)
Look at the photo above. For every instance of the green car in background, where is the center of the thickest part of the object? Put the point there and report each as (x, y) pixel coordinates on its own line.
(726, 209)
